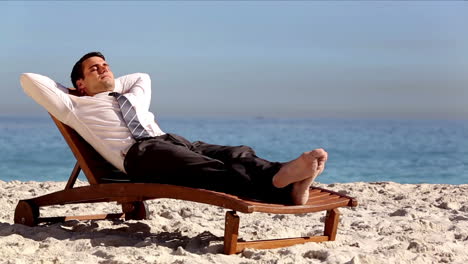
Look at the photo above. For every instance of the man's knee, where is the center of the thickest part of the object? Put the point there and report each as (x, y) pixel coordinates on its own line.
(244, 151)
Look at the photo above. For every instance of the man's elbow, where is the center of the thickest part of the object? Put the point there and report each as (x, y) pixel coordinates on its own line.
(25, 77)
(27, 81)
(145, 76)
(144, 79)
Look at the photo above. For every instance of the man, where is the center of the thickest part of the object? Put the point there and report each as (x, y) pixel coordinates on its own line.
(141, 149)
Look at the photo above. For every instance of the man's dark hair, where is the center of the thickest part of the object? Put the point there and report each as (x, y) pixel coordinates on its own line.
(77, 72)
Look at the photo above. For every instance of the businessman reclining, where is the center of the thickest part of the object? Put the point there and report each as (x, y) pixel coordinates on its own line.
(113, 116)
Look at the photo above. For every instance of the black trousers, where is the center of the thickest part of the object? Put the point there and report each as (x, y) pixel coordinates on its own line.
(172, 159)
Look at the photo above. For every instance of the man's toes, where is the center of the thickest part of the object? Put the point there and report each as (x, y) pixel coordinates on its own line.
(318, 153)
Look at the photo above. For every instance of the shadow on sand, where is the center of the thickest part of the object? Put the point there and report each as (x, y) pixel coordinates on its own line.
(117, 233)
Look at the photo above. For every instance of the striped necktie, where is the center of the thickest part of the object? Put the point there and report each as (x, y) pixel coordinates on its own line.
(130, 117)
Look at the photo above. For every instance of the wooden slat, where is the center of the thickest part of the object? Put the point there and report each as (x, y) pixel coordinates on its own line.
(277, 243)
(323, 200)
(318, 196)
(59, 219)
(231, 233)
(352, 201)
(73, 176)
(314, 191)
(331, 223)
(140, 192)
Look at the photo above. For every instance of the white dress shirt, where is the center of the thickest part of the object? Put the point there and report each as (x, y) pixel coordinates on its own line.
(97, 118)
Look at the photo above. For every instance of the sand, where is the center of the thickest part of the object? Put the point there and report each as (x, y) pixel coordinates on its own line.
(394, 223)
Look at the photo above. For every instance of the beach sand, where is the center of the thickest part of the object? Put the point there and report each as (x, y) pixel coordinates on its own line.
(393, 223)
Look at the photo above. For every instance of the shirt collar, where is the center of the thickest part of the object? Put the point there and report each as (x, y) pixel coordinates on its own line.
(118, 88)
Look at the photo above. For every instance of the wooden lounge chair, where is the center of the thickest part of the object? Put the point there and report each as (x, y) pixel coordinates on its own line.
(107, 184)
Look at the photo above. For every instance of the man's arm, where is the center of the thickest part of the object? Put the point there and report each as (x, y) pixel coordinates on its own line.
(137, 88)
(48, 93)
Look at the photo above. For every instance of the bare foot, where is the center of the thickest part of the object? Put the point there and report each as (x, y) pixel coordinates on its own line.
(302, 168)
(300, 191)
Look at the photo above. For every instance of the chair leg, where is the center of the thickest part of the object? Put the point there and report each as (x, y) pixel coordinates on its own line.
(233, 246)
(331, 223)
(137, 210)
(231, 233)
(26, 213)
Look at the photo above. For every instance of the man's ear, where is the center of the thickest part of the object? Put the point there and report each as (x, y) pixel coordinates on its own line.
(81, 87)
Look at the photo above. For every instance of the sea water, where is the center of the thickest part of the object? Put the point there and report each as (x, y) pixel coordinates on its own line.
(404, 151)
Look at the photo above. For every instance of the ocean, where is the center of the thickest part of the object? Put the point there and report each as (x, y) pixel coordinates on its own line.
(404, 151)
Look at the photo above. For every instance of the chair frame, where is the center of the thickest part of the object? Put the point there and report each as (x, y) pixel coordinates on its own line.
(108, 185)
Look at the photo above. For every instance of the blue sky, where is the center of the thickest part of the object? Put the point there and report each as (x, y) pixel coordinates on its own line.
(382, 59)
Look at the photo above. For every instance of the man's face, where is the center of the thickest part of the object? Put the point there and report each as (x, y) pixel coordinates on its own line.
(97, 78)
